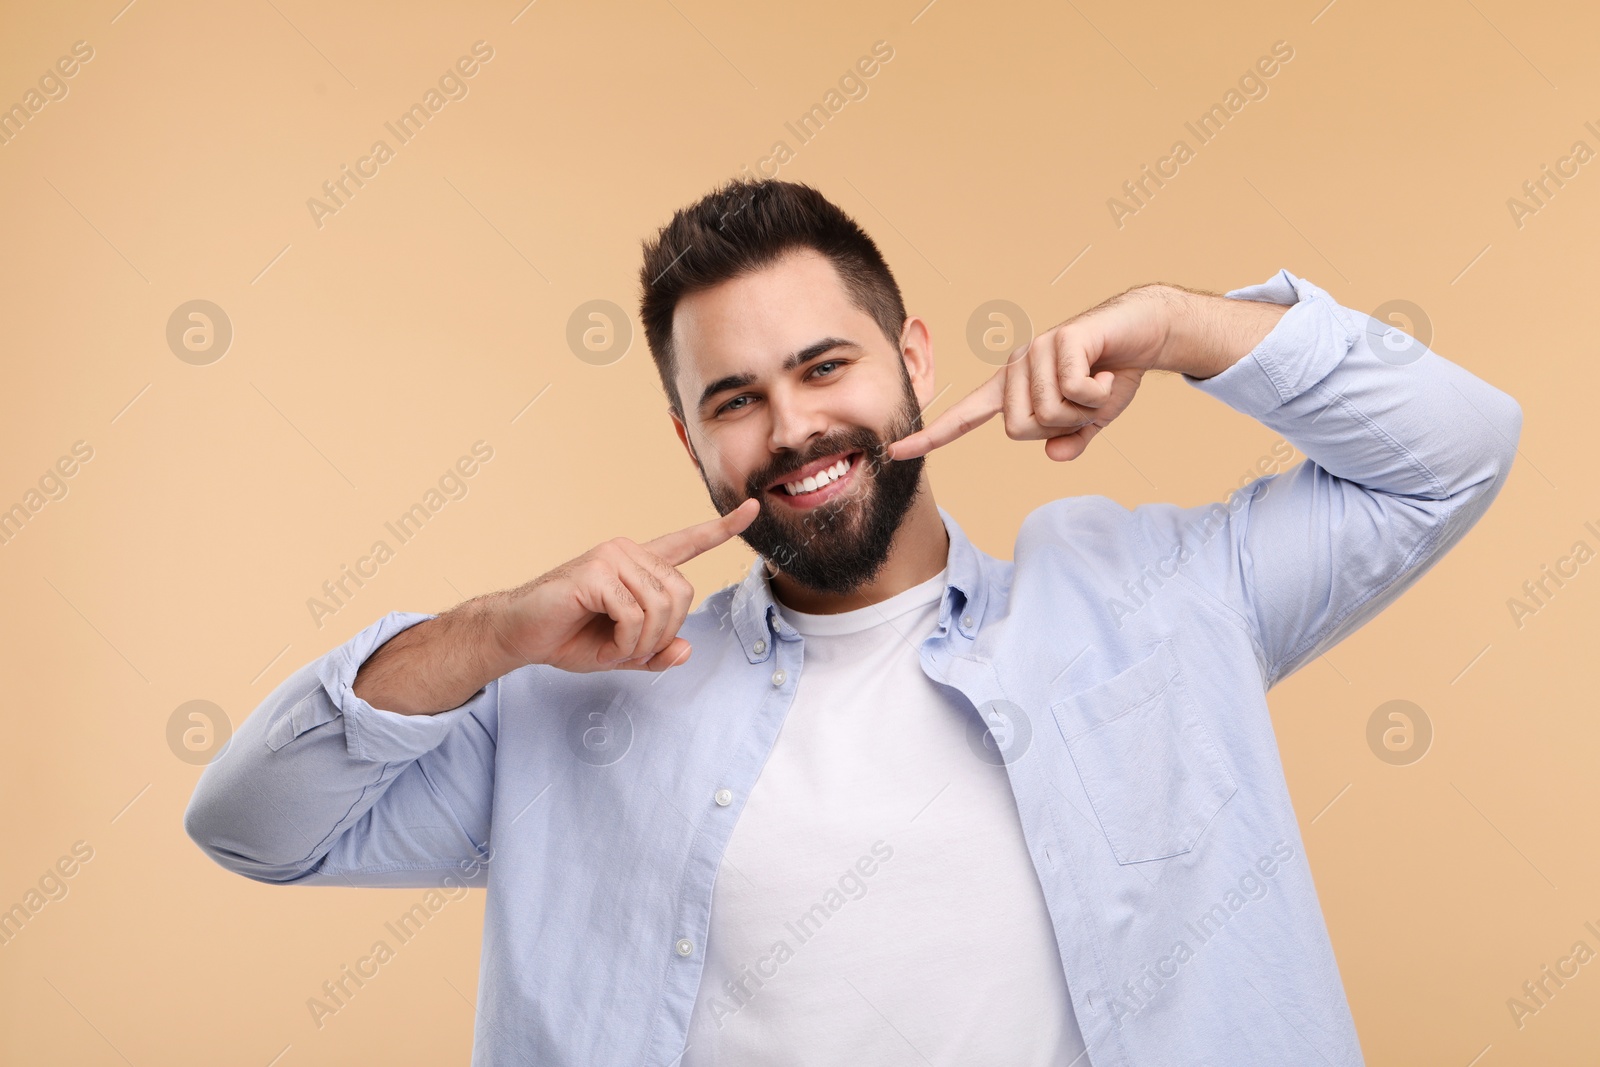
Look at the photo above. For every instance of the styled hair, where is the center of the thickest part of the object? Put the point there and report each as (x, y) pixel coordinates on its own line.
(741, 228)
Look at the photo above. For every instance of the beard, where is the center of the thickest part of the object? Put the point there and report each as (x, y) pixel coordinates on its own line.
(840, 545)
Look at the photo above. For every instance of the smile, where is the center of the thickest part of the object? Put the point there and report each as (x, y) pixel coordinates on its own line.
(815, 489)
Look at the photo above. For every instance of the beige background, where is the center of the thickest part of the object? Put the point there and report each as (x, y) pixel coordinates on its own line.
(369, 353)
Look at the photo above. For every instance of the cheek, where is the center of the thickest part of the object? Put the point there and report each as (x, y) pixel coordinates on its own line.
(866, 395)
(888, 394)
(731, 466)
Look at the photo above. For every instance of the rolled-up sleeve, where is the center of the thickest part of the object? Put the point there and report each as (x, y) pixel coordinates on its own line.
(1405, 451)
(319, 787)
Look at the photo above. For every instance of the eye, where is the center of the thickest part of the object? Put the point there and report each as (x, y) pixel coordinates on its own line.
(729, 406)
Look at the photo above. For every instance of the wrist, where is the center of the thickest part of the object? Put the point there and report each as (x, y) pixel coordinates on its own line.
(1183, 333)
(1208, 333)
(496, 628)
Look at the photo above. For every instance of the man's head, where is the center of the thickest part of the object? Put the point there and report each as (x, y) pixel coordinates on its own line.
(782, 341)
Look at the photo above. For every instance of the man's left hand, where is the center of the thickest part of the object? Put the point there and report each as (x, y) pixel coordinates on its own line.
(1069, 383)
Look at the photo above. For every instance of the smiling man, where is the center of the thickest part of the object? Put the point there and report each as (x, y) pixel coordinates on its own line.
(844, 392)
(890, 799)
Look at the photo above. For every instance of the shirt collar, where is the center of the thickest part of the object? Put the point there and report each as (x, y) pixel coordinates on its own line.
(757, 623)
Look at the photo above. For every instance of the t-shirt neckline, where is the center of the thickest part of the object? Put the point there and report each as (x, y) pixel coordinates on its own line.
(858, 619)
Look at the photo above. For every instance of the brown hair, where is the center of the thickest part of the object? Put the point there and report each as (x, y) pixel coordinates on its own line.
(740, 228)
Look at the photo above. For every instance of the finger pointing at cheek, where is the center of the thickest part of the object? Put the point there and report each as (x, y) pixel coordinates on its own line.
(965, 415)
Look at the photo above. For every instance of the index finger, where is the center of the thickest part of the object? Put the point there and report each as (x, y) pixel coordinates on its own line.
(966, 414)
(681, 546)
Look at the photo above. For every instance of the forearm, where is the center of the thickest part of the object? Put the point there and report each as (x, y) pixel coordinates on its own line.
(1207, 333)
(437, 665)
(1424, 429)
(317, 787)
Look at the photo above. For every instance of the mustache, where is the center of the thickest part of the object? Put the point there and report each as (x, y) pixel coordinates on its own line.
(867, 443)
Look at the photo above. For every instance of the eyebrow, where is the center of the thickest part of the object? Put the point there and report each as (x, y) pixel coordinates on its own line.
(790, 362)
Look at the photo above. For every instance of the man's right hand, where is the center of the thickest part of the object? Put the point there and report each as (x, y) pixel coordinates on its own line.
(616, 607)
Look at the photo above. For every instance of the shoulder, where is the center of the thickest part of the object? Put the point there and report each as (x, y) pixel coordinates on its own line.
(1072, 514)
(1091, 527)
(1099, 527)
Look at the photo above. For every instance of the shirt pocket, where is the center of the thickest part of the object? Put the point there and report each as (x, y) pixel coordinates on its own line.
(1146, 760)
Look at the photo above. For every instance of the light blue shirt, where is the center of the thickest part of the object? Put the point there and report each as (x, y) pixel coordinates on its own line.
(1122, 661)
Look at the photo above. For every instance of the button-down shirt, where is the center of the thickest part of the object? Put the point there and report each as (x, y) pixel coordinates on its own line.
(1123, 656)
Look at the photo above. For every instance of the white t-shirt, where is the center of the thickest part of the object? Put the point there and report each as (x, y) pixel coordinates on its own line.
(876, 902)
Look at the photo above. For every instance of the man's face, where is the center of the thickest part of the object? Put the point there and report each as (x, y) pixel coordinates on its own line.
(847, 396)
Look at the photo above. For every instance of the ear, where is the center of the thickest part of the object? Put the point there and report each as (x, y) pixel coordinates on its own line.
(683, 435)
(916, 349)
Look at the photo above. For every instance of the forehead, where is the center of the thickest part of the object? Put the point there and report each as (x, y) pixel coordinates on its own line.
(751, 322)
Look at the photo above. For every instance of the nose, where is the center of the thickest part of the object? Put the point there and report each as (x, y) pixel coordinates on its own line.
(794, 423)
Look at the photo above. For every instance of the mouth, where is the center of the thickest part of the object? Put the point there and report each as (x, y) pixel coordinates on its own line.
(840, 475)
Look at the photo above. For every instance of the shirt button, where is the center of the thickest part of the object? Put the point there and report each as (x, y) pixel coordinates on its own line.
(966, 621)
(724, 797)
(685, 946)
(761, 646)
(778, 676)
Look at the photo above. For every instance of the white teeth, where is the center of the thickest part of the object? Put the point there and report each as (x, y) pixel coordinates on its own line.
(816, 481)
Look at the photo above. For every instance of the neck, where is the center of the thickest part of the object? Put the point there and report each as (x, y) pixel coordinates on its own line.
(921, 548)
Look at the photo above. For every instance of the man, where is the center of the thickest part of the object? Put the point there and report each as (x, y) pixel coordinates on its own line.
(890, 799)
